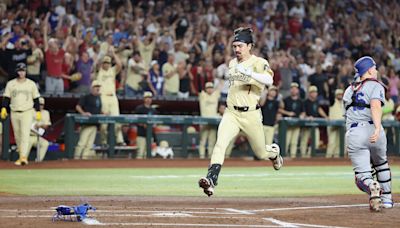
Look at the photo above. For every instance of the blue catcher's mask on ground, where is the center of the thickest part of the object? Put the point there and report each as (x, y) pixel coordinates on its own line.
(362, 65)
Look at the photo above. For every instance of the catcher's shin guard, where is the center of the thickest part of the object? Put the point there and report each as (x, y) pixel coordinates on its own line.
(384, 177)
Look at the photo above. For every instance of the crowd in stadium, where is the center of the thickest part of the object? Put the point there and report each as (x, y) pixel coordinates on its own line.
(308, 42)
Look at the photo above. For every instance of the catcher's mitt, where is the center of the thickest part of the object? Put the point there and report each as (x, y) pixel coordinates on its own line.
(76, 77)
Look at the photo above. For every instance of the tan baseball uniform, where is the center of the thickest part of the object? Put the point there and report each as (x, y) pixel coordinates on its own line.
(21, 94)
(34, 140)
(109, 101)
(208, 133)
(335, 113)
(244, 94)
(134, 77)
(171, 85)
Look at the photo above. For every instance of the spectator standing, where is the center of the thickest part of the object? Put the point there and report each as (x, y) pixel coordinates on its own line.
(84, 65)
(335, 113)
(185, 79)
(156, 79)
(17, 53)
(171, 77)
(292, 107)
(54, 56)
(88, 105)
(136, 68)
(34, 62)
(312, 110)
(21, 95)
(269, 109)
(394, 85)
(36, 140)
(144, 108)
(208, 101)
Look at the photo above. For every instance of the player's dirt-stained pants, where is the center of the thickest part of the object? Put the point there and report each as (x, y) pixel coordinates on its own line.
(208, 134)
(269, 132)
(292, 138)
(232, 122)
(21, 122)
(142, 147)
(362, 153)
(110, 106)
(305, 137)
(333, 149)
(43, 145)
(84, 148)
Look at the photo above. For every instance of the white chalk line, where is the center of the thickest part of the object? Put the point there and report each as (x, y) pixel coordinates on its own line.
(295, 225)
(310, 208)
(181, 225)
(228, 175)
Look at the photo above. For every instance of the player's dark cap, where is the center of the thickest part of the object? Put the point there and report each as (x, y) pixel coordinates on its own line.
(244, 35)
(20, 67)
(362, 65)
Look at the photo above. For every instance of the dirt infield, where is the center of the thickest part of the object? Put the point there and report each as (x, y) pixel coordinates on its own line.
(343, 211)
(138, 211)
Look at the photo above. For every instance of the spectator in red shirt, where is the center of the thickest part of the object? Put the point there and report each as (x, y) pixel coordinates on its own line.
(54, 56)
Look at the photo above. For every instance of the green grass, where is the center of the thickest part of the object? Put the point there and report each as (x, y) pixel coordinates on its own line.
(233, 182)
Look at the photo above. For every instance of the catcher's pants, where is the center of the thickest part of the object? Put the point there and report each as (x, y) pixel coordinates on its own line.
(21, 122)
(208, 134)
(43, 145)
(110, 106)
(362, 153)
(292, 137)
(333, 149)
(84, 148)
(232, 122)
(305, 137)
(269, 132)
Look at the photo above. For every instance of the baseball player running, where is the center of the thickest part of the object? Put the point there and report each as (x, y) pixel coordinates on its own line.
(248, 75)
(366, 139)
(21, 95)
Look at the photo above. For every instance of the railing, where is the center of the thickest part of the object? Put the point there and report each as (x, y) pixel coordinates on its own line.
(150, 120)
(319, 122)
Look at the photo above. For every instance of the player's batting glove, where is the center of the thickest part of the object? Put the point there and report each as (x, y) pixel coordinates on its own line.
(246, 71)
(3, 113)
(38, 116)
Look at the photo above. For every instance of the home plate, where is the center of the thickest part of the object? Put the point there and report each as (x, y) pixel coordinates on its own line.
(172, 214)
(91, 221)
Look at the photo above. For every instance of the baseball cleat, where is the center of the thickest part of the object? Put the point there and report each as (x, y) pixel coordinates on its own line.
(387, 205)
(375, 202)
(207, 186)
(17, 162)
(277, 162)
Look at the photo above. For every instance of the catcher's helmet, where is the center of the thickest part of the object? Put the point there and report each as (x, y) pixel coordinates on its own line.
(362, 65)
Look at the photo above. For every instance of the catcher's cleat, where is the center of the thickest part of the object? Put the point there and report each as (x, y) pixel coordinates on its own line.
(375, 202)
(277, 162)
(387, 205)
(207, 186)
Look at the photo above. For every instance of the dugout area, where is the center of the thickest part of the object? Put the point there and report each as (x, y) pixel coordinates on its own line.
(164, 193)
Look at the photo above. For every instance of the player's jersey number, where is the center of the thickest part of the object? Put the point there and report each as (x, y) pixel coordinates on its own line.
(360, 100)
